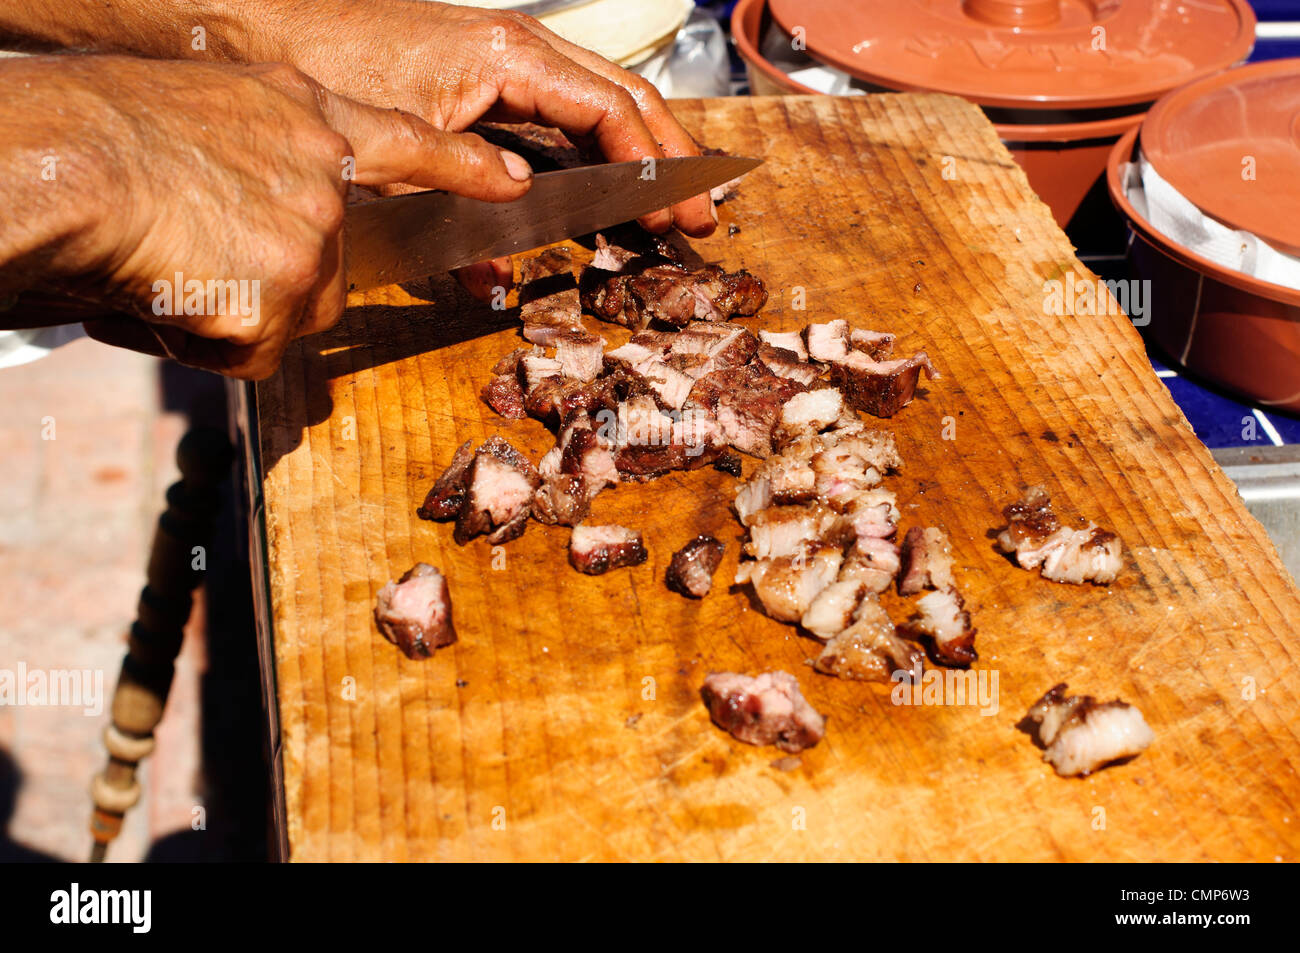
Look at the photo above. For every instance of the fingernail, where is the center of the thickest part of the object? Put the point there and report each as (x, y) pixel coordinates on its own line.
(713, 210)
(516, 166)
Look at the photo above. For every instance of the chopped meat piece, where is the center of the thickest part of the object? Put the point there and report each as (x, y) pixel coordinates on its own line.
(829, 341)
(499, 487)
(671, 294)
(810, 412)
(727, 190)
(877, 345)
(767, 710)
(586, 455)
(598, 549)
(731, 346)
(509, 364)
(841, 476)
(562, 499)
(871, 561)
(1080, 735)
(869, 650)
(787, 585)
(1038, 539)
(548, 293)
(943, 618)
(414, 613)
(579, 353)
(747, 403)
(610, 257)
(877, 448)
(785, 340)
(832, 611)
(872, 512)
(504, 394)
(443, 502)
(882, 388)
(672, 384)
(927, 561)
(782, 530)
(753, 497)
(785, 363)
(545, 148)
(692, 567)
(535, 369)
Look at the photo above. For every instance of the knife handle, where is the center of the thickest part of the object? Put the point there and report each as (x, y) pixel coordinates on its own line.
(39, 309)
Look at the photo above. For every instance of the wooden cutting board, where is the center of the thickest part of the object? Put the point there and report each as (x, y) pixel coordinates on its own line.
(566, 722)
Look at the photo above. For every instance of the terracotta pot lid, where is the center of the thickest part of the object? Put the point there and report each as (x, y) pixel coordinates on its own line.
(1231, 145)
(1083, 54)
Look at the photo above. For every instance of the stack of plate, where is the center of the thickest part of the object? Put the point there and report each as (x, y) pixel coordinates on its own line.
(629, 32)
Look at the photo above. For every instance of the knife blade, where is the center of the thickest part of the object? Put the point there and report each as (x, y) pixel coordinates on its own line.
(422, 233)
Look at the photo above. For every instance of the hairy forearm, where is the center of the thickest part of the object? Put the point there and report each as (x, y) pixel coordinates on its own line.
(233, 30)
(59, 174)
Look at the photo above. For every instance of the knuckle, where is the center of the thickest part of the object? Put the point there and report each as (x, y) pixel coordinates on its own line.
(286, 76)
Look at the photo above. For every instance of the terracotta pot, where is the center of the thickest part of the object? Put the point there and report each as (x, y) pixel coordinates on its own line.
(1063, 158)
(1238, 331)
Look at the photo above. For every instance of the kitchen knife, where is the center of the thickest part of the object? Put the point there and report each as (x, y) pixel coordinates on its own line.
(422, 233)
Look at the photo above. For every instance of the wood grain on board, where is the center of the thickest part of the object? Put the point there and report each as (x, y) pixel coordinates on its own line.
(566, 722)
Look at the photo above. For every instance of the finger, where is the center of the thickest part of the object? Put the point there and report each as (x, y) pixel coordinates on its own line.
(695, 216)
(395, 146)
(125, 332)
(477, 279)
(329, 295)
(544, 85)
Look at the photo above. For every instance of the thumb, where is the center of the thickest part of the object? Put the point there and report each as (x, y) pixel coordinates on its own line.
(395, 146)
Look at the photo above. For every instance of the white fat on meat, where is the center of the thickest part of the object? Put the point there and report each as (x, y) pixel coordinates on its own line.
(828, 342)
(790, 340)
(832, 611)
(1079, 735)
(786, 586)
(811, 411)
(782, 530)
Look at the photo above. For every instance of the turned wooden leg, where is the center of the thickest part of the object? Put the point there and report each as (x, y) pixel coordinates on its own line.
(176, 564)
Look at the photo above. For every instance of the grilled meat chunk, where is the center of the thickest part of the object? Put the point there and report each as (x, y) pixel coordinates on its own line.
(548, 293)
(869, 650)
(692, 567)
(786, 363)
(747, 403)
(598, 549)
(765, 710)
(783, 530)
(444, 500)
(809, 413)
(562, 500)
(1039, 541)
(872, 561)
(832, 611)
(504, 394)
(827, 342)
(785, 340)
(499, 487)
(881, 388)
(787, 585)
(579, 353)
(1080, 735)
(672, 294)
(414, 613)
(943, 619)
(926, 561)
(609, 257)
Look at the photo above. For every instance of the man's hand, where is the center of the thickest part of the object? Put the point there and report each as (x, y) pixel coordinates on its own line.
(455, 65)
(449, 65)
(214, 174)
